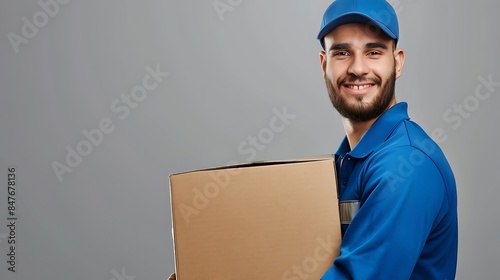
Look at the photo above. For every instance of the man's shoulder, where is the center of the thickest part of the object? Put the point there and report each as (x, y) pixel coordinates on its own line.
(408, 136)
(411, 146)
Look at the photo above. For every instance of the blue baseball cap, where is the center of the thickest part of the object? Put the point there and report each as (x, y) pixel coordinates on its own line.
(376, 12)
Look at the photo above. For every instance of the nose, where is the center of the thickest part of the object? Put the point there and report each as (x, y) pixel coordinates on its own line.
(358, 66)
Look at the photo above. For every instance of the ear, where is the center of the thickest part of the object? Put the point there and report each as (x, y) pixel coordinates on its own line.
(322, 61)
(399, 59)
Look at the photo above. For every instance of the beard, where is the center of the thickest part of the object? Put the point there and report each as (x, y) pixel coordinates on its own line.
(362, 111)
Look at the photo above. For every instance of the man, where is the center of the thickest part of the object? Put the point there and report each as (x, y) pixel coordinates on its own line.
(397, 192)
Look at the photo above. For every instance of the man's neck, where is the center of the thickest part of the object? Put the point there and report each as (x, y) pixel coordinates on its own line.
(356, 129)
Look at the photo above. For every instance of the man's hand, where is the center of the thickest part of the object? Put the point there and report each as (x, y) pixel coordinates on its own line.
(171, 277)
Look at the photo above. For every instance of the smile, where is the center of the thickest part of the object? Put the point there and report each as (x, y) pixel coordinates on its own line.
(359, 87)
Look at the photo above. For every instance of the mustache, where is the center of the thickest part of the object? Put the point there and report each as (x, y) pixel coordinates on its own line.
(356, 79)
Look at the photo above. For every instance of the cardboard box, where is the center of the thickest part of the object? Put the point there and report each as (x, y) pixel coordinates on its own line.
(263, 220)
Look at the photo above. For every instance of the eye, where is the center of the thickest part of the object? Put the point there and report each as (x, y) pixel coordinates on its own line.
(341, 53)
(374, 53)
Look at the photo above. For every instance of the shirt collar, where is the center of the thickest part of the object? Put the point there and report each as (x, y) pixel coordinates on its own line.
(377, 133)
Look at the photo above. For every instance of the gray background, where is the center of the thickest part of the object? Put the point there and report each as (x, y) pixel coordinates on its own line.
(110, 217)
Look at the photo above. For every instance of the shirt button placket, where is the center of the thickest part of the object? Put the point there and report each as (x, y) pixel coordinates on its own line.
(346, 165)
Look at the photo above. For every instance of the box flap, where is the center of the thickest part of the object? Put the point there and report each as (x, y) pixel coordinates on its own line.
(261, 163)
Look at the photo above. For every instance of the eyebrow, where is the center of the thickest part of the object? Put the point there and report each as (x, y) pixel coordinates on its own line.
(371, 45)
(376, 45)
(340, 46)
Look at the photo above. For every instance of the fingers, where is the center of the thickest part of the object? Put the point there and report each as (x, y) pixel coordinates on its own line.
(171, 277)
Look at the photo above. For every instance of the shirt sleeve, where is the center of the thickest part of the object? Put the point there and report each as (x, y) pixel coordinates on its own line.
(402, 192)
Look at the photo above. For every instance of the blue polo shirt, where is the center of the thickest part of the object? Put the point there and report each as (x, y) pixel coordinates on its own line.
(398, 204)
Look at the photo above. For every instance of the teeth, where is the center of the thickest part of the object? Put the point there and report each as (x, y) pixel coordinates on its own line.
(359, 87)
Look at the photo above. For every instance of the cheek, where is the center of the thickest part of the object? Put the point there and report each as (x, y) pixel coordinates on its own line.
(334, 71)
(383, 70)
